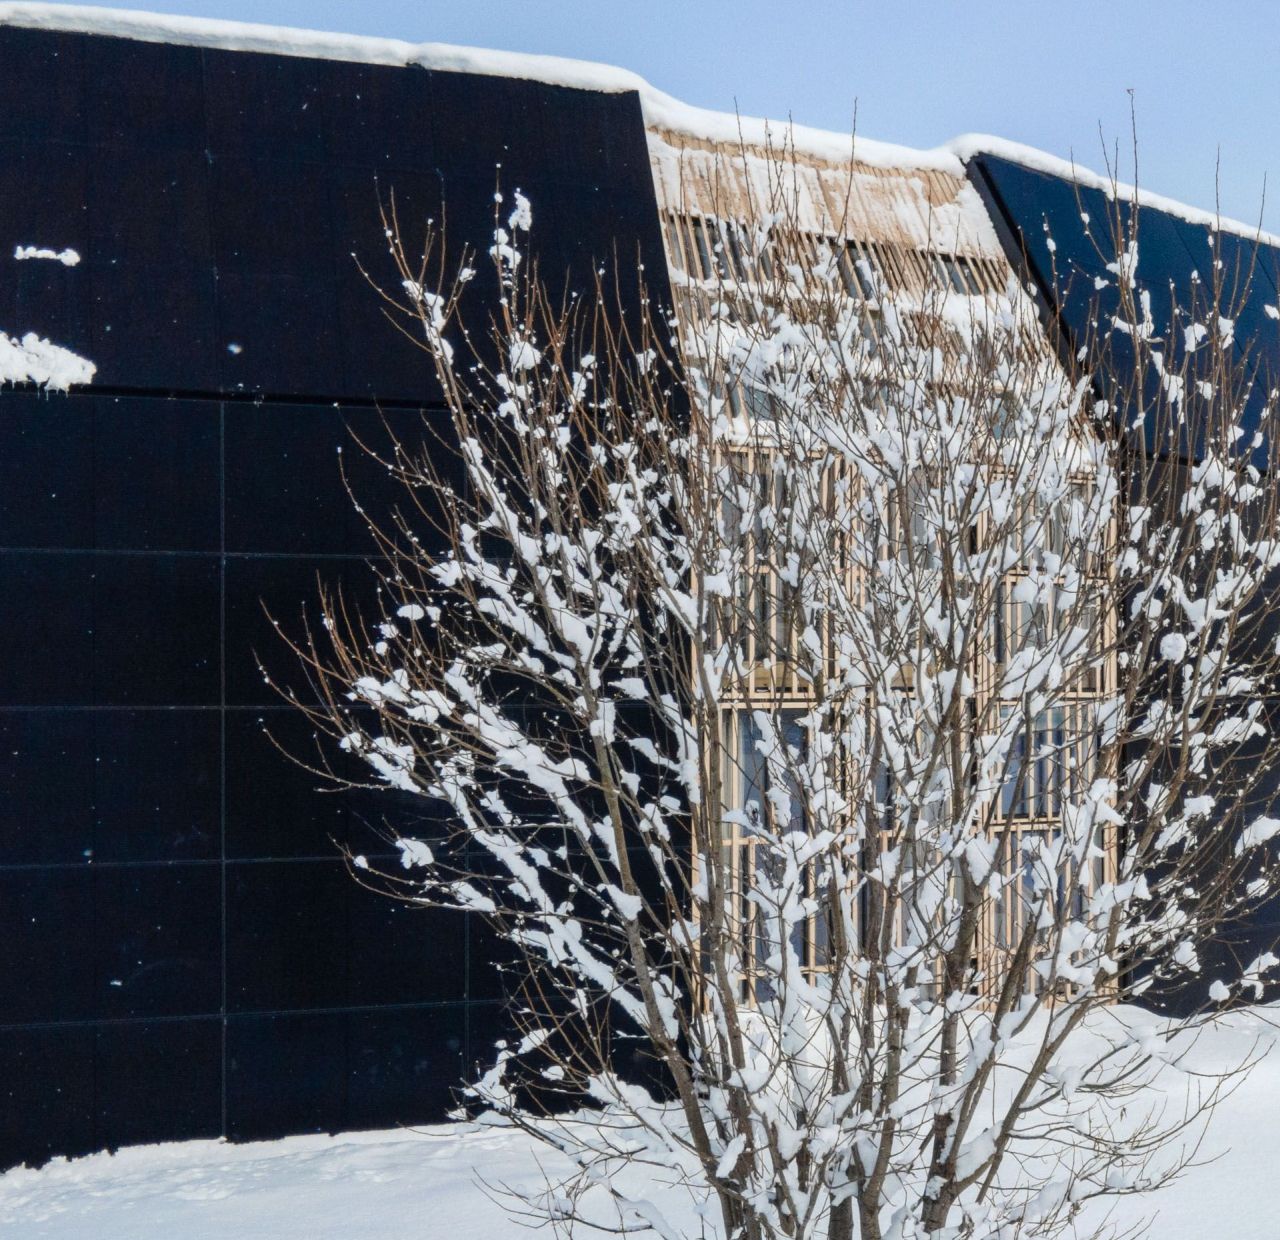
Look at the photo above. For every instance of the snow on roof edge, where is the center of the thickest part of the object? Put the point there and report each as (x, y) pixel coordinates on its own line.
(661, 110)
(966, 146)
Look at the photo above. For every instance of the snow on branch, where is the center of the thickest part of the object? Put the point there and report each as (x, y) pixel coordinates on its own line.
(827, 690)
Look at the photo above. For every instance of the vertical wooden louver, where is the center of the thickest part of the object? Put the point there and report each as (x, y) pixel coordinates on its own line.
(913, 233)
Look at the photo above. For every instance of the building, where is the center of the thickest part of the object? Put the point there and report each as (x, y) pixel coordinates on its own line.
(185, 954)
(902, 237)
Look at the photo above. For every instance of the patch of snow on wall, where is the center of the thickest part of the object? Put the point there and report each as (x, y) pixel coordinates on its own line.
(68, 257)
(32, 359)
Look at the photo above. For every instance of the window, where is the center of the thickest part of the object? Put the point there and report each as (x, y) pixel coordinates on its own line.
(860, 274)
(1051, 760)
(708, 249)
(765, 614)
(958, 274)
(753, 403)
(914, 516)
(1016, 897)
(1019, 624)
(763, 804)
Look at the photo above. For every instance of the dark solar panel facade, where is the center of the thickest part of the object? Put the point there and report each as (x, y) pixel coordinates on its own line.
(1043, 226)
(185, 954)
(1065, 234)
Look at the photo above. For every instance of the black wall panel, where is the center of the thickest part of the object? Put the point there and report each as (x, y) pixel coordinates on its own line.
(157, 1081)
(1045, 223)
(1063, 253)
(185, 952)
(47, 1099)
(220, 201)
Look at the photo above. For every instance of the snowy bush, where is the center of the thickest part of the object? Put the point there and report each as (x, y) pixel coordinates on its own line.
(842, 699)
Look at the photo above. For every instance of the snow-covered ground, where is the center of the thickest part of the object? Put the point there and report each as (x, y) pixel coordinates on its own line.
(431, 1182)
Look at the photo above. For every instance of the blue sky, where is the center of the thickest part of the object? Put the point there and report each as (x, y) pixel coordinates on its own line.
(1203, 75)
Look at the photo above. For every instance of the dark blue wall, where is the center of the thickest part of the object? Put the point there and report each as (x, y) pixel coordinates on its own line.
(184, 954)
(1031, 209)
(1042, 221)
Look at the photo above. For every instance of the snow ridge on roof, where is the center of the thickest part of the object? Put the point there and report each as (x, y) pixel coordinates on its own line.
(967, 145)
(661, 110)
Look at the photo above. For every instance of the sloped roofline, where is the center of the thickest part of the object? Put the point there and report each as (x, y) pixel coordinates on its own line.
(661, 110)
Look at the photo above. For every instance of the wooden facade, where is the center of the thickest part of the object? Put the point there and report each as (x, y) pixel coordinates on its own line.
(907, 233)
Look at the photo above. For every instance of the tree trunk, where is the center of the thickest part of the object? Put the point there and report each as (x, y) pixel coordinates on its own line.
(739, 1222)
(840, 1226)
(936, 1210)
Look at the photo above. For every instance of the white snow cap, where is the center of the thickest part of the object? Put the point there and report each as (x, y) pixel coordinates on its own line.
(24, 253)
(33, 359)
(661, 110)
(967, 145)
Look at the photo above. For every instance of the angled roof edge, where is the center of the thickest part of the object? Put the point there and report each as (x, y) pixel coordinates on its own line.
(661, 111)
(970, 145)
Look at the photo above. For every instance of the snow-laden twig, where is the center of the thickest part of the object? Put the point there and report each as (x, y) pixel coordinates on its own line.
(840, 712)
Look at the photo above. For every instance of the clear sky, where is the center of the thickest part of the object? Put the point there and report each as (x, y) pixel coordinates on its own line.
(1205, 77)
